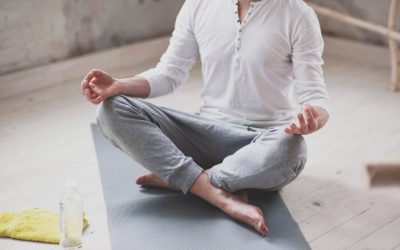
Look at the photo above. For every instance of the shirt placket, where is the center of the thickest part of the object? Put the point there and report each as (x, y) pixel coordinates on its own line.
(241, 26)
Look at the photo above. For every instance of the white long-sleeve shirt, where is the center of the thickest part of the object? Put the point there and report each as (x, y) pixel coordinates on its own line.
(256, 71)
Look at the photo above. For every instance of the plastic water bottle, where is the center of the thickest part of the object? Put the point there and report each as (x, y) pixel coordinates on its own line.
(71, 217)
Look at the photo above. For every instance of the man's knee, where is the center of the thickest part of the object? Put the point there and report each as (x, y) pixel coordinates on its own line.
(279, 161)
(290, 152)
(106, 112)
(114, 108)
(291, 146)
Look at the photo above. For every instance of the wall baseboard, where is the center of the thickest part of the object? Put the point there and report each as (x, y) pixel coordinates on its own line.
(75, 69)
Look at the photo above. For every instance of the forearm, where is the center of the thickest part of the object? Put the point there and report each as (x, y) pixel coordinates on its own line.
(134, 86)
(323, 116)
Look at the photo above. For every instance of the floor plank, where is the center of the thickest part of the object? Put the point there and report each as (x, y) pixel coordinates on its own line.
(362, 224)
(385, 237)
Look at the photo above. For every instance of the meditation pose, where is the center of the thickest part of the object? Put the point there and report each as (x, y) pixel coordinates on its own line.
(261, 61)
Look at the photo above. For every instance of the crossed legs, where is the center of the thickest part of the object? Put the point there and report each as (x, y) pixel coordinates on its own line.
(176, 148)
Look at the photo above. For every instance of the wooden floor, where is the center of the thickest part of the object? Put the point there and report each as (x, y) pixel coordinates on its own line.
(45, 140)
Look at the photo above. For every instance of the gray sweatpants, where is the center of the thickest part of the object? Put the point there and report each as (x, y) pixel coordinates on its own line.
(177, 146)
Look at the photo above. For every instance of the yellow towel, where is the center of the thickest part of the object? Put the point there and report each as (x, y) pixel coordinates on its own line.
(33, 224)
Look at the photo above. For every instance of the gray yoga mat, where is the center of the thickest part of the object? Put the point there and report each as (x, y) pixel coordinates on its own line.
(151, 218)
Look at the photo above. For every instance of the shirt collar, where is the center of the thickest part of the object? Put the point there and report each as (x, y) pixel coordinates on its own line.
(254, 2)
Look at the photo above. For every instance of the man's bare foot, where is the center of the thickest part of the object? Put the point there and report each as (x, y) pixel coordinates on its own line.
(151, 179)
(235, 205)
(242, 194)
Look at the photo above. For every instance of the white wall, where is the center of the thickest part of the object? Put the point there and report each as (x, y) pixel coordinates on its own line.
(36, 32)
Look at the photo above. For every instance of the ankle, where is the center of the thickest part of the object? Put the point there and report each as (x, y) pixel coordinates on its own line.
(204, 189)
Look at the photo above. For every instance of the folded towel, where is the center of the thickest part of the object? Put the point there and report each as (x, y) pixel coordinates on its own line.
(33, 224)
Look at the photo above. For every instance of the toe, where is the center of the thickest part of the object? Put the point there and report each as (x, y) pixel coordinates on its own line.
(262, 228)
(141, 180)
(260, 222)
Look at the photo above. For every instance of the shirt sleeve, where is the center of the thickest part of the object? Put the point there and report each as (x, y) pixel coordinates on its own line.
(176, 62)
(307, 49)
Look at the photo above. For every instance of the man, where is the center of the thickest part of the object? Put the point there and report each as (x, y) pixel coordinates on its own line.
(259, 59)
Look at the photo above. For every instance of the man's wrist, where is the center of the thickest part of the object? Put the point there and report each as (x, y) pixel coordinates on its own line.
(119, 86)
(135, 86)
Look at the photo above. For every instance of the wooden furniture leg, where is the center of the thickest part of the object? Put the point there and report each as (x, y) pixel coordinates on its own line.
(384, 174)
(393, 47)
(389, 32)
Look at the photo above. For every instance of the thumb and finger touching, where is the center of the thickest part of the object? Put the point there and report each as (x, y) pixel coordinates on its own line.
(91, 87)
(307, 121)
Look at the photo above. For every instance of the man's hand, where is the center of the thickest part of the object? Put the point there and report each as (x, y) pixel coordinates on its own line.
(312, 119)
(98, 86)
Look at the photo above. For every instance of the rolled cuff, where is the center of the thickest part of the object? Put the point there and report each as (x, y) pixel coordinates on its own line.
(185, 176)
(158, 84)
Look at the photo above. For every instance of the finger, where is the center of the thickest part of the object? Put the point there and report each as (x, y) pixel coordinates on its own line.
(309, 114)
(97, 72)
(84, 85)
(91, 96)
(93, 73)
(99, 99)
(95, 80)
(289, 130)
(302, 121)
(94, 88)
(295, 129)
(88, 94)
(311, 122)
(89, 76)
(313, 111)
(98, 91)
(96, 101)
